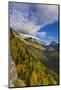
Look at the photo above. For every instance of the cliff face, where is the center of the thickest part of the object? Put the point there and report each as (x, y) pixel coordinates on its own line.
(12, 72)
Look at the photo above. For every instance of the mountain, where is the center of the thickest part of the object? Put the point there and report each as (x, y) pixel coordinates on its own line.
(53, 46)
(29, 57)
(52, 52)
(53, 43)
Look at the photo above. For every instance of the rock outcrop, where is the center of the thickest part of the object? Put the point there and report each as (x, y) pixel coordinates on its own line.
(12, 72)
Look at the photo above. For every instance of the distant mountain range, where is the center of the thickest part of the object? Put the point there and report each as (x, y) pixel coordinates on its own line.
(53, 46)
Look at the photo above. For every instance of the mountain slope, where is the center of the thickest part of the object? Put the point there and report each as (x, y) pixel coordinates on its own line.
(52, 53)
(28, 60)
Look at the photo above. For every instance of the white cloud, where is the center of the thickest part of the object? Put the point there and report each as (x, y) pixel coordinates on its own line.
(22, 25)
(41, 34)
(52, 38)
(25, 35)
(24, 20)
(48, 14)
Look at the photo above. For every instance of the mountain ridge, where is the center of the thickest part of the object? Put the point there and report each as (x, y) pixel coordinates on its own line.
(28, 57)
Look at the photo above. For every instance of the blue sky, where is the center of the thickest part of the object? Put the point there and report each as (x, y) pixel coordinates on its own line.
(51, 33)
(37, 20)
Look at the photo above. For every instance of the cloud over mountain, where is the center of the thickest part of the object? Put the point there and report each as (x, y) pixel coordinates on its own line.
(30, 18)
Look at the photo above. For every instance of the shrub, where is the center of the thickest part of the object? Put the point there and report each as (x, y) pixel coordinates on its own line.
(18, 83)
(21, 70)
(33, 79)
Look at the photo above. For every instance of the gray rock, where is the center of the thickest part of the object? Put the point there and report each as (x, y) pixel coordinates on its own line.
(12, 72)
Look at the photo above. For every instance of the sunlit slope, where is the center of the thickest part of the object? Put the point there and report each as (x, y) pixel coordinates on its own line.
(27, 58)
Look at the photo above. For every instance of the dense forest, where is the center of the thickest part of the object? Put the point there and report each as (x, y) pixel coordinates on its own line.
(32, 62)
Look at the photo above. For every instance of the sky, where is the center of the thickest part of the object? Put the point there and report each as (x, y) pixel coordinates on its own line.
(37, 20)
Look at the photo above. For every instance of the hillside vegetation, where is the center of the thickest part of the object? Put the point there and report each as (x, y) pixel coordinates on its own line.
(28, 54)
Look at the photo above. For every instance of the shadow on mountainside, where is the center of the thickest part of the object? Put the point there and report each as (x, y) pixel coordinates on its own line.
(51, 63)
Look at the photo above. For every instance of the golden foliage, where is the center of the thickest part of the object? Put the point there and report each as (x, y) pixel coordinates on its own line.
(21, 70)
(28, 63)
(33, 79)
